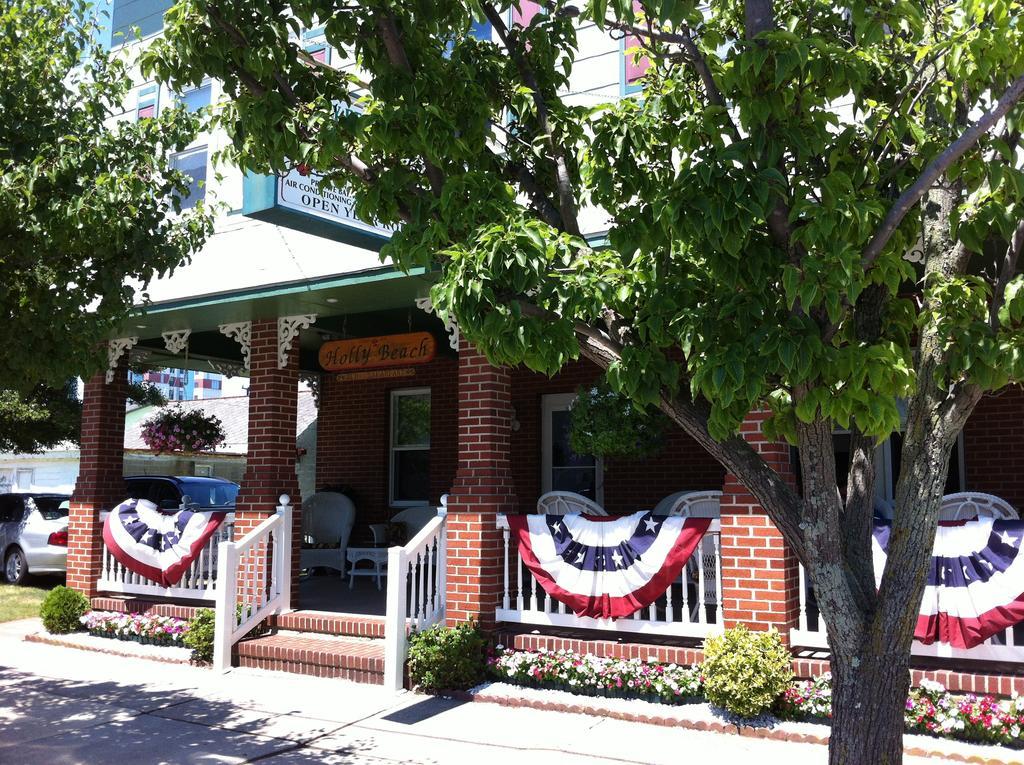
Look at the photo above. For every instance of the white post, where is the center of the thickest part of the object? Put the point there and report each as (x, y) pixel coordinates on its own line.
(284, 576)
(803, 598)
(394, 620)
(226, 595)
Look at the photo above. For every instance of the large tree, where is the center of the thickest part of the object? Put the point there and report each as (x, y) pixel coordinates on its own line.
(86, 197)
(761, 195)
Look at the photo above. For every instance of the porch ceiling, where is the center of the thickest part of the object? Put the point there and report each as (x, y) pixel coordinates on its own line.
(351, 305)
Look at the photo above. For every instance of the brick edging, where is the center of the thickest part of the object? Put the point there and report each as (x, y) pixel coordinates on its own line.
(47, 640)
(715, 727)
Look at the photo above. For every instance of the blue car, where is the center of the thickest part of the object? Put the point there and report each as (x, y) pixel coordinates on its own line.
(167, 491)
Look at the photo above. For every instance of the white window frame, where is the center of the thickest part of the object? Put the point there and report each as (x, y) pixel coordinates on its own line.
(561, 402)
(885, 484)
(199, 148)
(394, 396)
(31, 479)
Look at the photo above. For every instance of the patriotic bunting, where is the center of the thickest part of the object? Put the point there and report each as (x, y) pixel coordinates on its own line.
(975, 581)
(606, 567)
(159, 546)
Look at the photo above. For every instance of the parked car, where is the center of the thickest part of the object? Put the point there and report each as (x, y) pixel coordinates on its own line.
(167, 491)
(33, 534)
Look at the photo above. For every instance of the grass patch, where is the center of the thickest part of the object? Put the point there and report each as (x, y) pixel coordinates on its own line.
(23, 602)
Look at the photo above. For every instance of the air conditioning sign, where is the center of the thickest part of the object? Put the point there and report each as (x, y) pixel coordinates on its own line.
(306, 193)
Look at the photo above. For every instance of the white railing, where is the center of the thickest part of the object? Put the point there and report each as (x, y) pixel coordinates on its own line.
(262, 560)
(810, 633)
(690, 607)
(416, 593)
(198, 583)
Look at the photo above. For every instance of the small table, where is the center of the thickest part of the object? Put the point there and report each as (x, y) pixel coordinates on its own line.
(378, 556)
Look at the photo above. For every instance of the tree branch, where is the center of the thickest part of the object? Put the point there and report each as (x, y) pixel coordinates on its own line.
(566, 196)
(936, 168)
(396, 54)
(1006, 272)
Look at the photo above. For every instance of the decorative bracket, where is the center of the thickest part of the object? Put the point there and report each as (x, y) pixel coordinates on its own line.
(115, 350)
(241, 333)
(426, 304)
(288, 328)
(226, 368)
(312, 379)
(176, 340)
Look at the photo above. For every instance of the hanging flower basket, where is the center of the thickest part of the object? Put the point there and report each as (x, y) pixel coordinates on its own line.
(175, 430)
(608, 424)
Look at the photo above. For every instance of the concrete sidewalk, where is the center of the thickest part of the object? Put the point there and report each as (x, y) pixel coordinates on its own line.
(62, 706)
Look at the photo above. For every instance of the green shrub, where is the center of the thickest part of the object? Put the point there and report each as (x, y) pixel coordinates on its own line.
(199, 636)
(447, 658)
(63, 609)
(744, 672)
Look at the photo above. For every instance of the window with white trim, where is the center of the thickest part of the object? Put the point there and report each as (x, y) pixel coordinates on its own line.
(562, 469)
(195, 99)
(193, 164)
(24, 479)
(409, 463)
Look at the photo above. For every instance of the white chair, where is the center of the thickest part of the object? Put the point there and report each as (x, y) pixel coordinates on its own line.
(567, 503)
(414, 518)
(327, 519)
(697, 504)
(692, 504)
(967, 505)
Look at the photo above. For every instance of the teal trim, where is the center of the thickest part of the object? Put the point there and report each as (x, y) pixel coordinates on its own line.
(625, 88)
(309, 34)
(277, 290)
(259, 193)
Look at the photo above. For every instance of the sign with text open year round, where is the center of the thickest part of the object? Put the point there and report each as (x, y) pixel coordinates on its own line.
(377, 352)
(306, 194)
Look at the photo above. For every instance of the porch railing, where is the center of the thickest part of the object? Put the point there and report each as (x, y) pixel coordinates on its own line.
(1007, 646)
(254, 576)
(690, 606)
(416, 593)
(198, 583)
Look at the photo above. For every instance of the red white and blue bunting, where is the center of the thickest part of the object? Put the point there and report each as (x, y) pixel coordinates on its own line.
(975, 583)
(606, 567)
(159, 546)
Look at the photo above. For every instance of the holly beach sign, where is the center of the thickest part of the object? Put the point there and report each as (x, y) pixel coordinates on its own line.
(377, 352)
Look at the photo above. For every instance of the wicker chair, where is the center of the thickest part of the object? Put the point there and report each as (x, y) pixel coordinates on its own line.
(327, 519)
(697, 504)
(967, 505)
(567, 503)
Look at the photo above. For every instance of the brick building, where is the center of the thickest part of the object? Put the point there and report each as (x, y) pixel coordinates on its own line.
(283, 279)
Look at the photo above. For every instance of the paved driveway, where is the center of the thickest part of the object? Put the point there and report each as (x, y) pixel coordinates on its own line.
(62, 706)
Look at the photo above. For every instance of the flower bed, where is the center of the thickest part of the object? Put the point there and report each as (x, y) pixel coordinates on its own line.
(594, 676)
(140, 628)
(930, 708)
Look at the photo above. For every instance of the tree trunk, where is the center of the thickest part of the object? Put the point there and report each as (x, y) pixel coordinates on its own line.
(869, 696)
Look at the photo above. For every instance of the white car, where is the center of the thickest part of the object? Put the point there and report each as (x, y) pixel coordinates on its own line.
(33, 535)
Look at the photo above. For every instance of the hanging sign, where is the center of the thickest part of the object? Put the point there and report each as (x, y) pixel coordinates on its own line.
(377, 352)
(305, 192)
(302, 201)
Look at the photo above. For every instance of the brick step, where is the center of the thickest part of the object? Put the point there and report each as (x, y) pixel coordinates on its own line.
(132, 605)
(361, 660)
(329, 624)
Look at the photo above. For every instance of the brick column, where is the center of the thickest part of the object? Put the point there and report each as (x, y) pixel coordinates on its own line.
(483, 488)
(100, 485)
(759, 573)
(270, 462)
